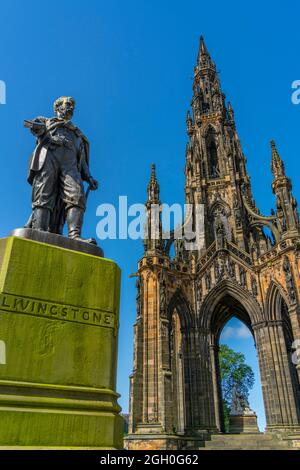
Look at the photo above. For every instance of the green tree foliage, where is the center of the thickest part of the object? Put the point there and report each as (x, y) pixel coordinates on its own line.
(234, 372)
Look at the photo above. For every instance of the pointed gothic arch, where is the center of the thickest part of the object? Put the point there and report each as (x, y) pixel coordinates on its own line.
(219, 203)
(278, 309)
(229, 289)
(273, 335)
(181, 322)
(274, 297)
(226, 300)
(179, 301)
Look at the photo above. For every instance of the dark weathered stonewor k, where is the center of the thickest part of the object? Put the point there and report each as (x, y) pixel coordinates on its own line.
(248, 267)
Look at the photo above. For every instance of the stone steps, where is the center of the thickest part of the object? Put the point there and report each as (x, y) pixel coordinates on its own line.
(247, 442)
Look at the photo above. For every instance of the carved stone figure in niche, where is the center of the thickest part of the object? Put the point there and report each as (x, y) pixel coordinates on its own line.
(289, 279)
(242, 277)
(217, 102)
(220, 233)
(237, 211)
(198, 286)
(235, 201)
(162, 294)
(230, 160)
(219, 270)
(254, 286)
(294, 206)
(179, 249)
(208, 281)
(230, 267)
(139, 296)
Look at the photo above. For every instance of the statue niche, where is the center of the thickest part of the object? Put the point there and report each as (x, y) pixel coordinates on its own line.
(220, 225)
(212, 154)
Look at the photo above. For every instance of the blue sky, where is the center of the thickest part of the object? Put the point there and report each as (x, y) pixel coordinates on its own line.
(129, 66)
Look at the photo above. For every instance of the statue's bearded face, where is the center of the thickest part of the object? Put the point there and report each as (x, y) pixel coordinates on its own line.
(65, 109)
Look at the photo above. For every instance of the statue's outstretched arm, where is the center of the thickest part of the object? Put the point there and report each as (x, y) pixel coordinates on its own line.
(37, 126)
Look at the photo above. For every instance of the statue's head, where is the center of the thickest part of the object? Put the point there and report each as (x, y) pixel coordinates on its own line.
(64, 107)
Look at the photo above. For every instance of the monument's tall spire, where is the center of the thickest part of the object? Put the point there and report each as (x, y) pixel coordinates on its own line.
(215, 153)
(245, 265)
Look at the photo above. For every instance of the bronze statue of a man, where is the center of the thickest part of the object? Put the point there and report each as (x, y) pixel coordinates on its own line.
(57, 169)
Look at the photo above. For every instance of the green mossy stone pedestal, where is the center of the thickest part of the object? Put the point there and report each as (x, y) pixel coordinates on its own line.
(58, 348)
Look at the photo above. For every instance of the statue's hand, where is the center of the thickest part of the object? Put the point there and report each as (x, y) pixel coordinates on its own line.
(37, 126)
(93, 184)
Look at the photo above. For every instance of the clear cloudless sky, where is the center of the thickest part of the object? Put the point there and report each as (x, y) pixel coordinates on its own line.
(129, 65)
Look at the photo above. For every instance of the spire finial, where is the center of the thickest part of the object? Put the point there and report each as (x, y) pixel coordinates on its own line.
(277, 165)
(203, 59)
(189, 121)
(153, 173)
(203, 48)
(153, 187)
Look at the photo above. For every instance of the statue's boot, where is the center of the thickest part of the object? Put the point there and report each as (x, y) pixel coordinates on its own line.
(40, 218)
(75, 221)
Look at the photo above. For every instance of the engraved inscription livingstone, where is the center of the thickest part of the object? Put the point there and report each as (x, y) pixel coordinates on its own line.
(64, 312)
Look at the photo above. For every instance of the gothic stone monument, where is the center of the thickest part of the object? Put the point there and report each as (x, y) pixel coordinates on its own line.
(184, 301)
(59, 308)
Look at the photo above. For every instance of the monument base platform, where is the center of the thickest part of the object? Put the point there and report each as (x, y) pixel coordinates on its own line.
(161, 442)
(58, 348)
(219, 441)
(243, 424)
